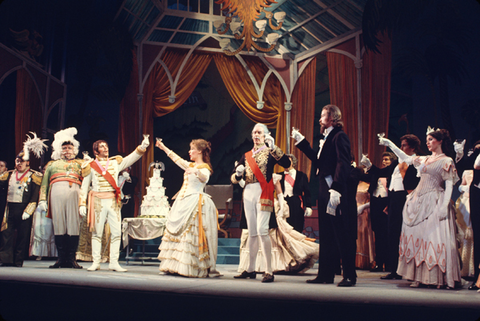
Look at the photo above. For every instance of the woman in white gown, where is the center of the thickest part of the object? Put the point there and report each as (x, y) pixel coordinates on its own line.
(428, 252)
(292, 251)
(189, 244)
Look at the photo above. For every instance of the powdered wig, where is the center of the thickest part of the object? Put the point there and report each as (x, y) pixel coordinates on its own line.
(64, 137)
(265, 129)
(294, 160)
(334, 114)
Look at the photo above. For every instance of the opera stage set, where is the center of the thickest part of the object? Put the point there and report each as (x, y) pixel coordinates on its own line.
(267, 60)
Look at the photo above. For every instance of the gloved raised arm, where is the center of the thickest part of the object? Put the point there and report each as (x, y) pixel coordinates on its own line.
(402, 157)
(296, 135)
(459, 147)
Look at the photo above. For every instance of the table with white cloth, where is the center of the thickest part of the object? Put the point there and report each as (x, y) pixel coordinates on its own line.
(143, 229)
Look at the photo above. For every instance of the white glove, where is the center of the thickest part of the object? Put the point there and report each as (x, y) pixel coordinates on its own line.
(308, 212)
(463, 188)
(42, 205)
(281, 204)
(25, 216)
(402, 157)
(476, 165)
(459, 147)
(382, 141)
(365, 162)
(445, 207)
(82, 210)
(362, 208)
(269, 141)
(296, 135)
(334, 198)
(86, 157)
(145, 142)
(126, 175)
(240, 169)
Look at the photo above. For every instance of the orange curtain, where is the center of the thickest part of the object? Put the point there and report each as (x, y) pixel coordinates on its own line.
(376, 84)
(28, 113)
(303, 112)
(241, 88)
(157, 89)
(342, 76)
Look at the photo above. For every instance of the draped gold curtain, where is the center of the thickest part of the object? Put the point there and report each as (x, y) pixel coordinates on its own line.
(241, 89)
(157, 89)
(303, 111)
(376, 84)
(28, 113)
(342, 77)
(375, 80)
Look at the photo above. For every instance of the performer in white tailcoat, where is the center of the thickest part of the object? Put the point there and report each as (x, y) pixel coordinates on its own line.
(104, 198)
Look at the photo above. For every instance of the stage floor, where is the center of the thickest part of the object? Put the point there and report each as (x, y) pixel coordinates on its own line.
(35, 291)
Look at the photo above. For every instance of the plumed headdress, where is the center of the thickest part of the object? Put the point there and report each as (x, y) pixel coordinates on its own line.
(33, 145)
(61, 137)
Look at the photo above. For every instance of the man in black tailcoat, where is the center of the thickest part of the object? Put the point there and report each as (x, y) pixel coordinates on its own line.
(332, 165)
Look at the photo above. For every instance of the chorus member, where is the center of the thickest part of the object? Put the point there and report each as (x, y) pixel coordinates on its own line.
(335, 219)
(23, 186)
(256, 168)
(104, 198)
(189, 244)
(427, 250)
(296, 191)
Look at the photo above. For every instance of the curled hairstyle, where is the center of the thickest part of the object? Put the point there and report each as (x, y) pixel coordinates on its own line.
(334, 114)
(206, 148)
(96, 144)
(265, 129)
(413, 142)
(444, 136)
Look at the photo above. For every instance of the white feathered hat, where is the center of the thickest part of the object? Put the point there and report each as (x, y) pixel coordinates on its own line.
(61, 137)
(33, 145)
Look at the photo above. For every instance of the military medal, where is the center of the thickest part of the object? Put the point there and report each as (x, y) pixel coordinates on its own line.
(104, 169)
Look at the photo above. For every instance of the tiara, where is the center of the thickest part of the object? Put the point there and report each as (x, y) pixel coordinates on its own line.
(431, 130)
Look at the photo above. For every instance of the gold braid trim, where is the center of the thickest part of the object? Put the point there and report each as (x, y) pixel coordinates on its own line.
(277, 153)
(4, 176)
(30, 208)
(37, 177)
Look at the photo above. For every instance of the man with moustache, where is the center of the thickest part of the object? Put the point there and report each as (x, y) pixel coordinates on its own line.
(256, 168)
(337, 223)
(104, 198)
(59, 196)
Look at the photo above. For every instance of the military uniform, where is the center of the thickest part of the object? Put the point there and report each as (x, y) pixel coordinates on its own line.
(22, 197)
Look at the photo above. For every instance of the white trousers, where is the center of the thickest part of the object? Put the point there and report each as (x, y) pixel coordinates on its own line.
(106, 213)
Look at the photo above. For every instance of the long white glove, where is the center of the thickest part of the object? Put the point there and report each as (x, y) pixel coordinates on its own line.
(269, 141)
(25, 216)
(444, 210)
(296, 135)
(402, 157)
(308, 212)
(42, 205)
(281, 204)
(239, 170)
(333, 202)
(459, 147)
(366, 162)
(145, 142)
(463, 188)
(476, 165)
(82, 210)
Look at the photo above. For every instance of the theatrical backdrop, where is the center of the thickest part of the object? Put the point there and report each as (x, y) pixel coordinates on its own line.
(180, 70)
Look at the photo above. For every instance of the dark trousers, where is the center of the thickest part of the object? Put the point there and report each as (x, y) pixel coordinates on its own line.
(475, 217)
(395, 220)
(296, 218)
(379, 226)
(15, 252)
(337, 236)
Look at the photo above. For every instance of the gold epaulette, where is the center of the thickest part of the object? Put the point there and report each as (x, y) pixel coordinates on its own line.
(37, 177)
(48, 164)
(119, 159)
(4, 176)
(79, 161)
(86, 170)
(203, 166)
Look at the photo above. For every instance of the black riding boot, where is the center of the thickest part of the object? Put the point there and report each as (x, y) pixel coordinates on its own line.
(60, 244)
(72, 251)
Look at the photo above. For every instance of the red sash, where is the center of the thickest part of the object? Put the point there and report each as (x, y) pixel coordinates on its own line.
(266, 199)
(109, 179)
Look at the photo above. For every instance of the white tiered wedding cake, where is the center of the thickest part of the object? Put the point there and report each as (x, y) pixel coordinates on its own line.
(155, 203)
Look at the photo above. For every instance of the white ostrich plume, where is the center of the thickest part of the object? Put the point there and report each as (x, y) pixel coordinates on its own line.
(35, 145)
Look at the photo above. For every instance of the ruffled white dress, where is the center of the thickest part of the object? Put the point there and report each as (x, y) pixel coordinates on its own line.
(292, 251)
(189, 244)
(428, 252)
